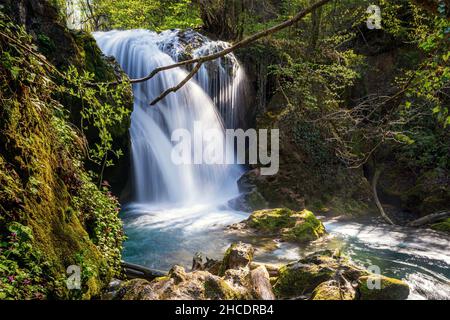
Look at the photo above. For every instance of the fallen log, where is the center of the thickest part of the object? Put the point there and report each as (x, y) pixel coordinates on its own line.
(273, 270)
(261, 284)
(431, 218)
(135, 271)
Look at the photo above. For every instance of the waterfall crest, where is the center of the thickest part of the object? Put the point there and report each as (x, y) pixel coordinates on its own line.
(156, 179)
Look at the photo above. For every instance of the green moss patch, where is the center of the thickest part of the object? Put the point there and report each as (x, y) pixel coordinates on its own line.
(290, 225)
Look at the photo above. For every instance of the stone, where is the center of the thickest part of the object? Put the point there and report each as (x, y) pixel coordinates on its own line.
(332, 290)
(390, 288)
(238, 255)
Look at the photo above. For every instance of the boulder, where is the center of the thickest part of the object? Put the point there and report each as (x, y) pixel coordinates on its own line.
(443, 226)
(388, 289)
(238, 255)
(249, 201)
(327, 276)
(289, 225)
(332, 290)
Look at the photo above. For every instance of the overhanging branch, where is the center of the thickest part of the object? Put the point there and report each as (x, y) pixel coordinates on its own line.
(246, 41)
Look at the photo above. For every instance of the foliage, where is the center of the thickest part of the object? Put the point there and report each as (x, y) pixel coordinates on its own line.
(21, 265)
(155, 15)
(51, 213)
(102, 107)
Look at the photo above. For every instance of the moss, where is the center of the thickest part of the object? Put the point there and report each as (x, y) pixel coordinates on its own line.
(390, 288)
(219, 289)
(272, 220)
(306, 229)
(443, 226)
(46, 190)
(331, 291)
(297, 279)
(293, 226)
(237, 255)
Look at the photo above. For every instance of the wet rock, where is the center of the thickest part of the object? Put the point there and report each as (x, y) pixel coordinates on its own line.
(249, 201)
(136, 289)
(443, 226)
(238, 255)
(289, 225)
(333, 290)
(387, 288)
(327, 276)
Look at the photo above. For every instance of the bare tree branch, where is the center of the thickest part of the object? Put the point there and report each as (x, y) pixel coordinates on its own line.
(177, 87)
(200, 60)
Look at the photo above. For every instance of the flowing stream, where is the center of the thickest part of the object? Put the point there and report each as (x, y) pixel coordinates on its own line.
(178, 210)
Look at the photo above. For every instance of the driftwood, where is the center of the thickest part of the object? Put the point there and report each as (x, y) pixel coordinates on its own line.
(376, 176)
(273, 270)
(261, 284)
(431, 218)
(135, 271)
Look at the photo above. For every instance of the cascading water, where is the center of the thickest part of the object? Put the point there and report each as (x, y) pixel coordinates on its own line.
(156, 178)
(172, 202)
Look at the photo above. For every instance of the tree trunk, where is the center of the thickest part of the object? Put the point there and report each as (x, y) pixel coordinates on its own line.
(375, 178)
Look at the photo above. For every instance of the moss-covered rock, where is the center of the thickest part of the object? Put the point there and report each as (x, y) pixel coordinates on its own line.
(389, 289)
(238, 255)
(298, 279)
(218, 289)
(178, 284)
(289, 225)
(306, 228)
(248, 201)
(325, 276)
(443, 226)
(302, 277)
(332, 290)
(136, 289)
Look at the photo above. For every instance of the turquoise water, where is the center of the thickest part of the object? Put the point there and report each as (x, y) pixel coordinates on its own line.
(161, 238)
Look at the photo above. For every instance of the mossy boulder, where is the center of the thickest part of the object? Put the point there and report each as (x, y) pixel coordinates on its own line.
(179, 284)
(389, 288)
(329, 276)
(289, 225)
(300, 278)
(238, 255)
(136, 289)
(332, 290)
(443, 226)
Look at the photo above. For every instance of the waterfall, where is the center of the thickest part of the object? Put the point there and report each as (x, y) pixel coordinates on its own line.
(212, 100)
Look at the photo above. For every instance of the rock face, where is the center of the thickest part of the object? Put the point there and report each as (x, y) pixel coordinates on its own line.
(289, 225)
(323, 276)
(64, 48)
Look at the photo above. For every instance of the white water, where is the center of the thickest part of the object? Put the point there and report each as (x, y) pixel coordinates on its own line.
(156, 179)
